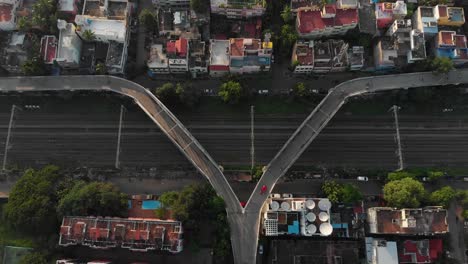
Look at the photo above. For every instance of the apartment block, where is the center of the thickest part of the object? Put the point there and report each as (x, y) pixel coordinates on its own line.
(238, 8)
(424, 20)
(386, 13)
(449, 16)
(219, 57)
(8, 16)
(249, 55)
(449, 44)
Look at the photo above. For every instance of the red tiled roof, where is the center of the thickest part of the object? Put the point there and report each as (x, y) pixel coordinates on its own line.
(5, 12)
(435, 248)
(312, 20)
(446, 37)
(442, 11)
(170, 47)
(460, 41)
(181, 46)
(330, 9)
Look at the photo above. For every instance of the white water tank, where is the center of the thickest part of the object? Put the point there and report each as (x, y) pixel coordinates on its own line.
(310, 204)
(310, 217)
(324, 204)
(285, 206)
(274, 206)
(326, 229)
(323, 216)
(311, 229)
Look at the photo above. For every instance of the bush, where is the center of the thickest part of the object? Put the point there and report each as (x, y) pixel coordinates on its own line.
(398, 175)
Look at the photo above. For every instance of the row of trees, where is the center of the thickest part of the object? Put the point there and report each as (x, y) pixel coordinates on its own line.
(196, 205)
(179, 94)
(341, 193)
(42, 197)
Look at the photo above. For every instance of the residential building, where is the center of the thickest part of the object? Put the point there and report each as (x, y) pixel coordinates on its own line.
(381, 251)
(451, 45)
(449, 16)
(303, 57)
(69, 46)
(356, 58)
(386, 13)
(48, 48)
(297, 216)
(330, 21)
(135, 234)
(158, 62)
(425, 21)
(177, 54)
(418, 46)
(385, 54)
(297, 5)
(14, 51)
(248, 55)
(172, 4)
(8, 17)
(219, 57)
(330, 56)
(346, 4)
(399, 27)
(198, 62)
(238, 8)
(419, 221)
(108, 20)
(420, 251)
(67, 9)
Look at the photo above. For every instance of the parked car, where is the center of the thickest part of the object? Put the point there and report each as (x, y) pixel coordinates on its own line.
(362, 178)
(425, 179)
(465, 179)
(260, 249)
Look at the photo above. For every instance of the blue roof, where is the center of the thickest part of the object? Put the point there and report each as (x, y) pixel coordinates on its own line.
(129, 204)
(294, 228)
(446, 53)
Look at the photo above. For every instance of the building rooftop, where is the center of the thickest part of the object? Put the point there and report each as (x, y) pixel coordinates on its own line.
(136, 234)
(386, 12)
(420, 251)
(356, 56)
(14, 50)
(446, 38)
(304, 53)
(177, 48)
(158, 58)
(48, 48)
(460, 41)
(66, 5)
(7, 14)
(295, 4)
(115, 54)
(103, 28)
(69, 44)
(197, 54)
(242, 46)
(312, 20)
(418, 44)
(426, 11)
(219, 52)
(380, 251)
(421, 221)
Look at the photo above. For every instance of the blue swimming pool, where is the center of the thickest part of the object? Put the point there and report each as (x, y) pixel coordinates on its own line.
(150, 205)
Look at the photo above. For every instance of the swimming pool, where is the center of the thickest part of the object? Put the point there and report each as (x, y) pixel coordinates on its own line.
(150, 204)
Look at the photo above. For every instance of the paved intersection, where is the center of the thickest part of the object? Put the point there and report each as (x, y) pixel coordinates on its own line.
(244, 223)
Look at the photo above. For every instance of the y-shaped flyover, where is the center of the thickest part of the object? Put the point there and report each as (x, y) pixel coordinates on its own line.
(244, 222)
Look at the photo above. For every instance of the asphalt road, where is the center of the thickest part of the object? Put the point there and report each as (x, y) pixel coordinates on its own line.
(65, 132)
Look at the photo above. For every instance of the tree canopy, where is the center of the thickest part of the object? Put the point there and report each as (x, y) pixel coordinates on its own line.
(443, 196)
(33, 67)
(44, 15)
(398, 175)
(406, 192)
(345, 193)
(167, 93)
(288, 36)
(148, 19)
(94, 198)
(31, 204)
(88, 35)
(286, 14)
(442, 65)
(300, 90)
(200, 6)
(230, 92)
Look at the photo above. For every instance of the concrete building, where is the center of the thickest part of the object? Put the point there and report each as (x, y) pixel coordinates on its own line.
(380, 251)
(449, 44)
(449, 16)
(135, 234)
(177, 54)
(68, 9)
(8, 16)
(330, 21)
(172, 4)
(69, 46)
(108, 20)
(418, 46)
(249, 55)
(303, 57)
(219, 57)
(14, 51)
(356, 58)
(198, 62)
(158, 62)
(48, 48)
(420, 251)
(386, 13)
(424, 20)
(238, 8)
(297, 216)
(385, 54)
(419, 221)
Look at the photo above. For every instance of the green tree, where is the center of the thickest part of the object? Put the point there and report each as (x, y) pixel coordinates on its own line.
(94, 198)
(443, 196)
(200, 6)
(32, 202)
(332, 190)
(101, 69)
(288, 36)
(350, 194)
(230, 92)
(398, 175)
(299, 90)
(148, 19)
(88, 35)
(43, 14)
(257, 173)
(406, 192)
(435, 175)
(161, 213)
(24, 24)
(442, 65)
(286, 14)
(188, 95)
(33, 258)
(33, 67)
(166, 93)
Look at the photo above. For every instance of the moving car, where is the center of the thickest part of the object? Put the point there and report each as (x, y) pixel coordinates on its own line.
(362, 178)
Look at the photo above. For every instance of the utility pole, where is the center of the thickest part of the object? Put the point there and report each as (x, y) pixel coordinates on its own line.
(7, 143)
(252, 138)
(398, 138)
(117, 154)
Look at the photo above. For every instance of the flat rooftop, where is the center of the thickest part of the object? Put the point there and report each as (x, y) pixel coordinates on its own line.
(103, 28)
(158, 58)
(312, 20)
(219, 50)
(304, 54)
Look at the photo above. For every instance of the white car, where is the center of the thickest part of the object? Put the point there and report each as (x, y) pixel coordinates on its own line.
(362, 178)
